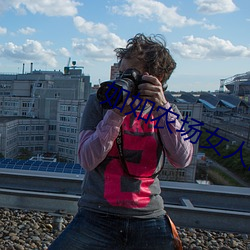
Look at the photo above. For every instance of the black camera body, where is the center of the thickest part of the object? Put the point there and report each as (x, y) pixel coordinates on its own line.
(114, 92)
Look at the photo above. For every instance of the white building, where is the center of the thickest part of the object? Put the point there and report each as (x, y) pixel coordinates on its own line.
(40, 111)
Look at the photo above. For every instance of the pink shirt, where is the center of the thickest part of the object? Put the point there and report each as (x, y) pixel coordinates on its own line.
(94, 145)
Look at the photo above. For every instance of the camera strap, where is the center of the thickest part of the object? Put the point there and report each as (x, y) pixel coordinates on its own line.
(119, 142)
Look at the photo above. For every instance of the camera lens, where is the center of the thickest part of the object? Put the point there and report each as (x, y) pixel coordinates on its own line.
(113, 93)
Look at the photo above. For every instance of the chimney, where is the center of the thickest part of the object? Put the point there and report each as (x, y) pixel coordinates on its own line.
(23, 68)
(31, 67)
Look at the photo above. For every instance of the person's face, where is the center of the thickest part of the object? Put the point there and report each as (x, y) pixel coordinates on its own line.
(133, 64)
(130, 64)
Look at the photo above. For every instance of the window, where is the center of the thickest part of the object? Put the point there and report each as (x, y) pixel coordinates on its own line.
(52, 127)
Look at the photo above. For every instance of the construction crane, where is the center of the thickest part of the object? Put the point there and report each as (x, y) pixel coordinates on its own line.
(69, 62)
(72, 66)
(66, 68)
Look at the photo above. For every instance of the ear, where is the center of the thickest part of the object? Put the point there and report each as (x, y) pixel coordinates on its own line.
(164, 84)
(160, 78)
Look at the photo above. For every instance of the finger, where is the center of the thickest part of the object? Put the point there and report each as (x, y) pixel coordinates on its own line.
(151, 79)
(150, 92)
(129, 101)
(146, 86)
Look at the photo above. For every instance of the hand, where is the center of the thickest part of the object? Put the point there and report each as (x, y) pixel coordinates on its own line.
(127, 107)
(152, 90)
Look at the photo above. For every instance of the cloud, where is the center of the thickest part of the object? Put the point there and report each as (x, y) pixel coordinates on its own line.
(3, 30)
(207, 26)
(211, 48)
(155, 10)
(63, 51)
(211, 7)
(100, 43)
(46, 7)
(88, 27)
(30, 51)
(27, 31)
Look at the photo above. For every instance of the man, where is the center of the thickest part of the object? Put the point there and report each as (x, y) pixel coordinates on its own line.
(122, 152)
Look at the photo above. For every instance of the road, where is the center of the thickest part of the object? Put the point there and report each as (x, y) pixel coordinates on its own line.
(229, 173)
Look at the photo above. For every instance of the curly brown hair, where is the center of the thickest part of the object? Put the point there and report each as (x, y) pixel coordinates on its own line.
(152, 51)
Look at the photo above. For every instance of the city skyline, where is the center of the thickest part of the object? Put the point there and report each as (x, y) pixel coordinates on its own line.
(207, 38)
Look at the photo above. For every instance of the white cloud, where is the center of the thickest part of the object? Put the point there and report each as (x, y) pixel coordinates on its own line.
(93, 48)
(63, 51)
(88, 27)
(100, 43)
(30, 51)
(46, 7)
(208, 26)
(27, 31)
(3, 30)
(214, 6)
(155, 10)
(211, 48)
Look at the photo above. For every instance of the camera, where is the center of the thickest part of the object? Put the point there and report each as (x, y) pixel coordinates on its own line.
(114, 92)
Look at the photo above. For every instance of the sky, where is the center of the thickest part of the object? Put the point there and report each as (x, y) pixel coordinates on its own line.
(208, 39)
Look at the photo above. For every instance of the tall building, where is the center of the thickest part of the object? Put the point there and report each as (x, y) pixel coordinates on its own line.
(114, 72)
(40, 111)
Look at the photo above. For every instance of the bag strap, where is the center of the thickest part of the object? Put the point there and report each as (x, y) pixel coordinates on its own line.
(177, 239)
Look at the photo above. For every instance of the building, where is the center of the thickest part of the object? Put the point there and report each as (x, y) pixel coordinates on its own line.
(236, 104)
(169, 173)
(216, 103)
(41, 111)
(21, 132)
(114, 72)
(238, 84)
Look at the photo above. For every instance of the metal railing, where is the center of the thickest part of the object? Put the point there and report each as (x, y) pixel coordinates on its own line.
(219, 208)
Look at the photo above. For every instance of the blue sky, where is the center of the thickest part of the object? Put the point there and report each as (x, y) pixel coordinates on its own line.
(209, 39)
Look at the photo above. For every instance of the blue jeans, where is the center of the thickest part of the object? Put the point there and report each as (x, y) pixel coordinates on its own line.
(94, 231)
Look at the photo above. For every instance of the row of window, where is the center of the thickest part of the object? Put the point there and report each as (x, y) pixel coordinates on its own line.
(51, 137)
(10, 104)
(27, 104)
(68, 118)
(66, 129)
(9, 112)
(67, 140)
(5, 86)
(31, 128)
(22, 128)
(13, 141)
(11, 131)
(68, 151)
(31, 138)
(52, 127)
(69, 108)
(186, 113)
(5, 93)
(35, 149)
